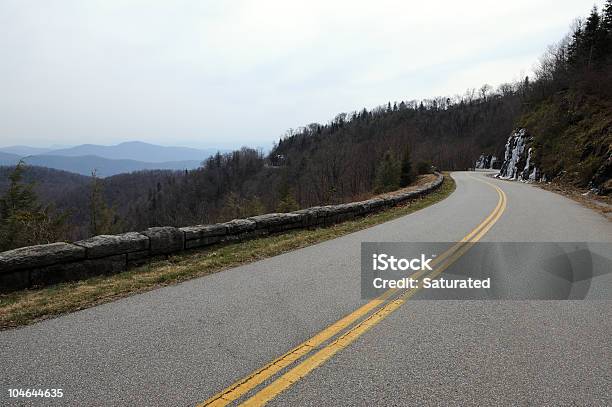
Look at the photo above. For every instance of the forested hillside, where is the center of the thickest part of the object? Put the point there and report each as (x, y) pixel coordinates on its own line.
(49, 183)
(566, 107)
(339, 159)
(569, 110)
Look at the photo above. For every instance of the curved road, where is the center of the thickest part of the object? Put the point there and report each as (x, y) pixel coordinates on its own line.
(181, 345)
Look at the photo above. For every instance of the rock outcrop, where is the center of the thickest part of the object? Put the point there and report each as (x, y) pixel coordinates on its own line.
(519, 163)
(486, 162)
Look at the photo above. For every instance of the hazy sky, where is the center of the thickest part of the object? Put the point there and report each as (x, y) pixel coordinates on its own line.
(232, 73)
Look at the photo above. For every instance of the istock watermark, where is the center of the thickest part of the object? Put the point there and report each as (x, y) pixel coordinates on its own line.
(386, 262)
(488, 270)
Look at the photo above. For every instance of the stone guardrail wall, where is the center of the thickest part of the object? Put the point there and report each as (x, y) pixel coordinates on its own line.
(53, 263)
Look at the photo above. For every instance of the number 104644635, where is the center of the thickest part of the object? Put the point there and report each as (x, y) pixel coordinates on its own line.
(34, 393)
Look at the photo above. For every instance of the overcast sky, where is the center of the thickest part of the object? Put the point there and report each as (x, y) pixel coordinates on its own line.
(232, 73)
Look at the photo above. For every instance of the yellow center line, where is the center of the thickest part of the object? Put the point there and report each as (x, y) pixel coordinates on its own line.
(241, 387)
(309, 364)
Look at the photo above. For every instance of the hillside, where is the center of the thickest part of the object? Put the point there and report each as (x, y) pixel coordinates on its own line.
(579, 152)
(567, 119)
(340, 158)
(50, 185)
(566, 110)
(70, 193)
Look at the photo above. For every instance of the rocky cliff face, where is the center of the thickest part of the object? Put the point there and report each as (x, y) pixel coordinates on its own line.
(487, 162)
(519, 163)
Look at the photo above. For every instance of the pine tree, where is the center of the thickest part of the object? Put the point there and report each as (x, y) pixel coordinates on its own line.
(231, 206)
(103, 219)
(407, 175)
(592, 37)
(575, 45)
(388, 174)
(18, 197)
(23, 221)
(424, 167)
(287, 201)
(254, 207)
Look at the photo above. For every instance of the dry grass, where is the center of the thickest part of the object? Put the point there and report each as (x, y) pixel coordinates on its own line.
(601, 204)
(28, 306)
(419, 182)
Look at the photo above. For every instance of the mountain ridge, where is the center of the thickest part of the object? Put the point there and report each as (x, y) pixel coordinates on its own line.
(23, 150)
(109, 160)
(8, 158)
(136, 150)
(104, 167)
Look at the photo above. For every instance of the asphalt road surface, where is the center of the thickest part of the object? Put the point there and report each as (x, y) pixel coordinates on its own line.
(181, 345)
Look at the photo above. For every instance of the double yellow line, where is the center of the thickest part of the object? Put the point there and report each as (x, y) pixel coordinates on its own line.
(347, 329)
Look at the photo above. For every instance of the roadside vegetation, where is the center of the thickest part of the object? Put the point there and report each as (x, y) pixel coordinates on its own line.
(28, 306)
(23, 220)
(569, 110)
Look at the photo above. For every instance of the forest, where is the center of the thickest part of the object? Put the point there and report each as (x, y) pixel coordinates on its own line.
(566, 106)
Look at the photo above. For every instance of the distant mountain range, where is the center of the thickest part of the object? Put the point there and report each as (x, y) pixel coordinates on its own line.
(135, 150)
(108, 160)
(8, 158)
(23, 151)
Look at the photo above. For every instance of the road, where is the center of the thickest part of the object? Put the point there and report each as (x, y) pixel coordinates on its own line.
(181, 345)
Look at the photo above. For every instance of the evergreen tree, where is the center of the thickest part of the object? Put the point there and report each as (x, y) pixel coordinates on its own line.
(593, 41)
(364, 114)
(424, 167)
(591, 26)
(103, 218)
(23, 221)
(575, 44)
(388, 174)
(407, 175)
(235, 207)
(287, 201)
(231, 207)
(331, 196)
(254, 207)
(18, 197)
